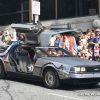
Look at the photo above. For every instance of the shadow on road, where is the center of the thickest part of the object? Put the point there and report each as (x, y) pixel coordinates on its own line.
(78, 87)
(26, 81)
(62, 86)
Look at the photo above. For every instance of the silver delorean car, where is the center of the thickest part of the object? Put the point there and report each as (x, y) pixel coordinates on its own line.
(52, 65)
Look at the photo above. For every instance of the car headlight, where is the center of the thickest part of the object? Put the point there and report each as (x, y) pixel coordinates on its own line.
(83, 69)
(78, 69)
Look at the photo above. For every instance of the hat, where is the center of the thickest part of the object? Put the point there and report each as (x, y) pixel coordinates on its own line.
(97, 30)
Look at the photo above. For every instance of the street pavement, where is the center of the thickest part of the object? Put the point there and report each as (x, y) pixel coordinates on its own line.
(21, 89)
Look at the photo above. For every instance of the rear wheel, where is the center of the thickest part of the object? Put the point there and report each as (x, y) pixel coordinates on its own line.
(2, 72)
(51, 79)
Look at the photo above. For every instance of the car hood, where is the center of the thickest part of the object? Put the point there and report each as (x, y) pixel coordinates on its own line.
(73, 61)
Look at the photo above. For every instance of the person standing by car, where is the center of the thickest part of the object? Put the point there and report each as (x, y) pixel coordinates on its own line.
(96, 52)
(97, 36)
(62, 43)
(21, 36)
(73, 45)
(13, 37)
(68, 42)
(1, 38)
(52, 40)
(91, 41)
(57, 40)
(6, 37)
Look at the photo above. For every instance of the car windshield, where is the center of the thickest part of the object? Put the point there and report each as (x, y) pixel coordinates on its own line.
(52, 52)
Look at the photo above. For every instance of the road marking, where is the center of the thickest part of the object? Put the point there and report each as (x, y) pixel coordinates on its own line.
(65, 96)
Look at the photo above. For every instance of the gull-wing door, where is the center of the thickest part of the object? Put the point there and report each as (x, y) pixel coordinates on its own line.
(30, 31)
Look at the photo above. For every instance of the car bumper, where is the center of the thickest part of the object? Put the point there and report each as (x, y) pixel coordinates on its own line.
(64, 75)
(82, 75)
(82, 78)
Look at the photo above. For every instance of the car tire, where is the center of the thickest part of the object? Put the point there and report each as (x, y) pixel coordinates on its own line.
(51, 79)
(2, 72)
(93, 84)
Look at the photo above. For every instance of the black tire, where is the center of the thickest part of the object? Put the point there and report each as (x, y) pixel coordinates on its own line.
(2, 72)
(51, 79)
(93, 84)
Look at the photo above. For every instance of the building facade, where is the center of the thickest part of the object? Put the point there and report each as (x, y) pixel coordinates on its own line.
(18, 11)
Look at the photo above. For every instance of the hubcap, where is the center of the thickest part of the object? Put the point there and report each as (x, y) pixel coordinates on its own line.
(49, 78)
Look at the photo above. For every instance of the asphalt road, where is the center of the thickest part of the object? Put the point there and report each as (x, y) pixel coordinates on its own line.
(21, 89)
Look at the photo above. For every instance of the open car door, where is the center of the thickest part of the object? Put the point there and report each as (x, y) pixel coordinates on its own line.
(30, 31)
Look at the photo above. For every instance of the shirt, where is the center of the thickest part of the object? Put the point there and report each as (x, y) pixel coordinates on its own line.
(52, 41)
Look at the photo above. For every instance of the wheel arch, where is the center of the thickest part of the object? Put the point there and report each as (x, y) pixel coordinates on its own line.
(50, 68)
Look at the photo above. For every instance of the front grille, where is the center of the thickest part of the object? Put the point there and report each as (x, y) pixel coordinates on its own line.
(93, 69)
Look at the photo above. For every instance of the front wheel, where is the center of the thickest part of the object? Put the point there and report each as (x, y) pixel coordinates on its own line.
(50, 79)
(93, 84)
(2, 72)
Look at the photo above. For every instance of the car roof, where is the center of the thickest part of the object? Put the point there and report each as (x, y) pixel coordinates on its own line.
(23, 26)
(32, 27)
(60, 31)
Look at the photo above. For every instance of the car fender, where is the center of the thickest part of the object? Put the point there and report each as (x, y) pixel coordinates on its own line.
(47, 66)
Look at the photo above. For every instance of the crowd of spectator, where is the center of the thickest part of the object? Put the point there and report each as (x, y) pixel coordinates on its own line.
(89, 44)
(6, 37)
(85, 44)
